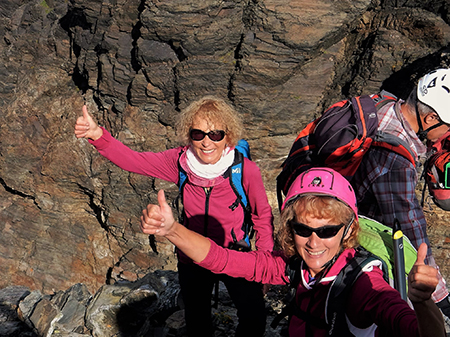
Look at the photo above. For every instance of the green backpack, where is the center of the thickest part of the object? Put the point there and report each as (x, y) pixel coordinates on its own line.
(377, 239)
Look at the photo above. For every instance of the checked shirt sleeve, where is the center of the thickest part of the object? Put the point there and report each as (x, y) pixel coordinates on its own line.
(385, 187)
(395, 194)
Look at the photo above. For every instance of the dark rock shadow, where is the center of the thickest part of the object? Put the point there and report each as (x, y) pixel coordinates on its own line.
(403, 81)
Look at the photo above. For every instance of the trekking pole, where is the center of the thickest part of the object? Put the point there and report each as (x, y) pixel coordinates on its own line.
(399, 260)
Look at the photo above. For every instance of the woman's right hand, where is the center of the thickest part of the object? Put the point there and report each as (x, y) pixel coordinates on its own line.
(422, 279)
(86, 127)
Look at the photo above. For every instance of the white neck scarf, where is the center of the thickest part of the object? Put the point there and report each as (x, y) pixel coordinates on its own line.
(209, 171)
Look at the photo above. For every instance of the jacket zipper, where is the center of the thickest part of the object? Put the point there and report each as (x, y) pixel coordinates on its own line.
(208, 194)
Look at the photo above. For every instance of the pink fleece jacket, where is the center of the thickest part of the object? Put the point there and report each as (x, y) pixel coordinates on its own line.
(374, 308)
(208, 215)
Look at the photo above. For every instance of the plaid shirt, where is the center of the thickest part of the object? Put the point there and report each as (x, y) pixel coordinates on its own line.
(385, 185)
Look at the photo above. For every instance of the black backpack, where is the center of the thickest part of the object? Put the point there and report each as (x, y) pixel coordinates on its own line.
(339, 138)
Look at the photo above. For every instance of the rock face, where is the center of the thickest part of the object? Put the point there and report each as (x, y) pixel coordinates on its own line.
(68, 216)
(149, 307)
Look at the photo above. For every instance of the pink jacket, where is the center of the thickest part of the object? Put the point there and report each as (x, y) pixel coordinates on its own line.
(207, 215)
(374, 308)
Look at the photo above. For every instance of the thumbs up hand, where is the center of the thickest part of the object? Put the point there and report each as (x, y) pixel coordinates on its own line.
(422, 279)
(157, 219)
(86, 127)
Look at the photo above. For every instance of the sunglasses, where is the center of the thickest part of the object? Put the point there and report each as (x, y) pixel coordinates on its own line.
(215, 135)
(324, 232)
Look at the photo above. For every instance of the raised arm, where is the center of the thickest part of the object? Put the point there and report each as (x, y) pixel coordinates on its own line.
(86, 127)
(159, 220)
(422, 281)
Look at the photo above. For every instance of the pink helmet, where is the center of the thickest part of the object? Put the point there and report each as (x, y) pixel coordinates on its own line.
(322, 181)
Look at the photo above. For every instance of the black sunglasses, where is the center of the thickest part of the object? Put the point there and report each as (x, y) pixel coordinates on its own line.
(215, 135)
(324, 232)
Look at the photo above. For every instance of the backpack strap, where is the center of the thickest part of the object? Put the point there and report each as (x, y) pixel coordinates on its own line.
(340, 290)
(235, 175)
(386, 140)
(234, 172)
(293, 272)
(182, 177)
(244, 148)
(182, 180)
(426, 166)
(382, 98)
(394, 144)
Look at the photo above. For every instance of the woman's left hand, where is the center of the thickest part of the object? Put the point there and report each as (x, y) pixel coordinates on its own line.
(157, 219)
(422, 279)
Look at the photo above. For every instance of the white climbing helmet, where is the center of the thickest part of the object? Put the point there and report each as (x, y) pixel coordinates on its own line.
(434, 90)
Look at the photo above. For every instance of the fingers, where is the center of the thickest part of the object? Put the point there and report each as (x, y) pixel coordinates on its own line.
(82, 125)
(421, 254)
(85, 113)
(158, 219)
(162, 199)
(86, 127)
(151, 219)
(165, 208)
(422, 278)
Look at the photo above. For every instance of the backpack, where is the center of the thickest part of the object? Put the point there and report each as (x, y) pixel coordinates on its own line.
(235, 173)
(376, 246)
(339, 138)
(437, 173)
(377, 239)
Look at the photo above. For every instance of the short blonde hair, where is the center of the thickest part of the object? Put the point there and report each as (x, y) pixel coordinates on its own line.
(321, 207)
(215, 111)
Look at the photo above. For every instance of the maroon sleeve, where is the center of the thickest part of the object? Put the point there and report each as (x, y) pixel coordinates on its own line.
(374, 301)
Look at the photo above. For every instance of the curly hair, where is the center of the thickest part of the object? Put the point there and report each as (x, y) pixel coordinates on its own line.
(216, 112)
(320, 207)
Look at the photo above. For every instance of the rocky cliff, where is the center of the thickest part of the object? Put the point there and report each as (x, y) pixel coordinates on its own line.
(67, 215)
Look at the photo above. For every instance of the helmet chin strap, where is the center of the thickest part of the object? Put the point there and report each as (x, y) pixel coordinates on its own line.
(421, 133)
(347, 228)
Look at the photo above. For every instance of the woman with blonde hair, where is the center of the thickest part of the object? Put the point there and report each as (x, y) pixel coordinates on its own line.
(319, 227)
(209, 130)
